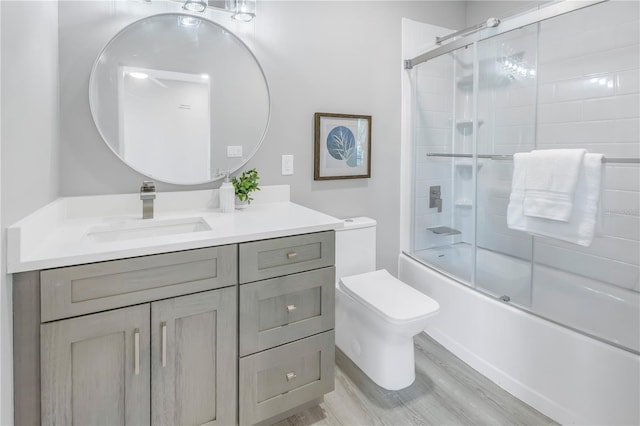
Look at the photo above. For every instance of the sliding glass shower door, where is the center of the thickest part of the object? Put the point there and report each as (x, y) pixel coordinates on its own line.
(506, 96)
(568, 78)
(475, 106)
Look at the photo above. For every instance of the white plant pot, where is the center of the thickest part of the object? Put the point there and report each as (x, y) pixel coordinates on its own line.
(241, 204)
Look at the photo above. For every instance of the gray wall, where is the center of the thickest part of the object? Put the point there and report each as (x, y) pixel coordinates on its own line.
(29, 140)
(341, 57)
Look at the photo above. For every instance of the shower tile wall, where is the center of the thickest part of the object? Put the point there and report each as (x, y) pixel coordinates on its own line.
(433, 133)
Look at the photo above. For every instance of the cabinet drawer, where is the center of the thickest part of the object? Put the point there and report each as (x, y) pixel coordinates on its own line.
(285, 377)
(83, 289)
(282, 256)
(284, 309)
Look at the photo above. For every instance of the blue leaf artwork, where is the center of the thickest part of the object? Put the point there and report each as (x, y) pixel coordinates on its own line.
(341, 145)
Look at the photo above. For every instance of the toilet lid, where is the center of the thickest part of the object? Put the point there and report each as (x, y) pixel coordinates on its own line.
(395, 300)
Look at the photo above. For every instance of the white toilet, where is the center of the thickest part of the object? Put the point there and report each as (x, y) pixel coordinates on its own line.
(377, 315)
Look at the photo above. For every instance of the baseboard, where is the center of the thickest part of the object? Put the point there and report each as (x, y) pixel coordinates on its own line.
(515, 387)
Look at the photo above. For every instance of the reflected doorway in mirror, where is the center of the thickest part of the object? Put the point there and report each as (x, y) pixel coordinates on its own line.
(149, 97)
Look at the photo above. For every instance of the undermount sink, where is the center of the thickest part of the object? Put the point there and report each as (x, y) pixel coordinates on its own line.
(137, 229)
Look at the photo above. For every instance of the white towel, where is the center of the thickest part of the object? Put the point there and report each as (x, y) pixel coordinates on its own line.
(550, 183)
(580, 228)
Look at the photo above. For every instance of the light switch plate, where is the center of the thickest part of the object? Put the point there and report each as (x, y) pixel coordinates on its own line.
(287, 165)
(234, 151)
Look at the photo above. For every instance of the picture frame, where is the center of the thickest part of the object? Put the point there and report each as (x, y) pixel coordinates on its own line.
(342, 146)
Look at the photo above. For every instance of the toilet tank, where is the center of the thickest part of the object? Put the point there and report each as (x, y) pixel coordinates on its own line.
(356, 247)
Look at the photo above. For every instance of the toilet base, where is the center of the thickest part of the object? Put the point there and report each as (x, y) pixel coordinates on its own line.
(383, 352)
(396, 374)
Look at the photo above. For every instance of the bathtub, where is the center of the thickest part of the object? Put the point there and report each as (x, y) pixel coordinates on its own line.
(594, 308)
(572, 378)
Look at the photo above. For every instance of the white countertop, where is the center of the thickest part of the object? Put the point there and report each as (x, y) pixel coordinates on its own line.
(56, 235)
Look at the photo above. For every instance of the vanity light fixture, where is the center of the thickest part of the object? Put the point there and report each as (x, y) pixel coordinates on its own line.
(242, 10)
(195, 5)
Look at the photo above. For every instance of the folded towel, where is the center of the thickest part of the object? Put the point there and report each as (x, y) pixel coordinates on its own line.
(550, 183)
(580, 228)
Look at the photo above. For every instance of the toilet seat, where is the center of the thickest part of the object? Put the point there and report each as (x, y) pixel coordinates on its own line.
(396, 301)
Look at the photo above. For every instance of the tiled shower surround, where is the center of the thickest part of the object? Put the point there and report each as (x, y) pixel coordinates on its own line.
(569, 82)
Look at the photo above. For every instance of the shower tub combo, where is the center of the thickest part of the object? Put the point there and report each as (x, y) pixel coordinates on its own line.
(556, 324)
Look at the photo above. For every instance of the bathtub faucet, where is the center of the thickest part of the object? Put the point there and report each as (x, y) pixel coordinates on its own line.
(434, 198)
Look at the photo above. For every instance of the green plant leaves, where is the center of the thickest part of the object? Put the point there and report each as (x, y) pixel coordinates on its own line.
(245, 184)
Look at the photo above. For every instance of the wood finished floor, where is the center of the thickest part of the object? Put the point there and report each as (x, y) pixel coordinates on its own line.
(446, 392)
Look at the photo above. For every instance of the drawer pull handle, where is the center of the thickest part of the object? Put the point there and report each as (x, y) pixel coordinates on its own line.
(291, 308)
(164, 343)
(136, 351)
(292, 255)
(291, 375)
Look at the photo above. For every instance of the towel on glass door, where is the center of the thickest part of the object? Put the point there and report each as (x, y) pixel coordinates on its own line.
(581, 226)
(550, 182)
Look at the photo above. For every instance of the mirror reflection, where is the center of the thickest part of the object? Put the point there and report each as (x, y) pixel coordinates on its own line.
(179, 99)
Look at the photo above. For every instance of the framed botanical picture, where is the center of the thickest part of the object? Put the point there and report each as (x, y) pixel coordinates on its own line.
(342, 146)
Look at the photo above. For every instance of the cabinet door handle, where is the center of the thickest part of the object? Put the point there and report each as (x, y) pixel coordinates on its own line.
(291, 308)
(164, 343)
(291, 375)
(292, 255)
(136, 351)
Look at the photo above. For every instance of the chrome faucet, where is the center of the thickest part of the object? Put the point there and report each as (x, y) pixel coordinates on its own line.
(147, 195)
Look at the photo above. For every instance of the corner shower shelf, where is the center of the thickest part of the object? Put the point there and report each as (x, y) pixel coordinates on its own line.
(464, 163)
(443, 231)
(465, 203)
(466, 126)
(465, 82)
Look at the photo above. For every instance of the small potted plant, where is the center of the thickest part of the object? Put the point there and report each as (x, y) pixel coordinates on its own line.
(244, 185)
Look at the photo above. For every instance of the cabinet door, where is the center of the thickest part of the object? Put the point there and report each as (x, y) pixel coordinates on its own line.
(194, 359)
(95, 369)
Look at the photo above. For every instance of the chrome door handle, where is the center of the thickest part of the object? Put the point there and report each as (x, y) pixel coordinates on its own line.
(164, 343)
(291, 308)
(291, 375)
(136, 351)
(292, 255)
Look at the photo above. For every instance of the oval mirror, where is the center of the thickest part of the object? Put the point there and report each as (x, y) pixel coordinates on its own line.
(179, 99)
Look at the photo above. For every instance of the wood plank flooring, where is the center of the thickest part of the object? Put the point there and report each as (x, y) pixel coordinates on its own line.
(446, 392)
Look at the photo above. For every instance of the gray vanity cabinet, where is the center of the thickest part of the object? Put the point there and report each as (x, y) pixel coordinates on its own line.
(96, 369)
(172, 339)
